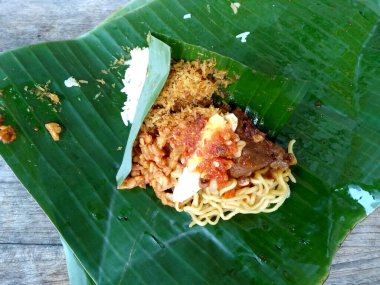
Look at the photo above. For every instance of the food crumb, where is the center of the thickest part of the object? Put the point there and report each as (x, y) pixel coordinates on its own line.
(71, 82)
(187, 16)
(7, 133)
(83, 81)
(117, 62)
(54, 98)
(54, 130)
(243, 36)
(119, 148)
(97, 96)
(235, 6)
(42, 91)
(104, 71)
(101, 81)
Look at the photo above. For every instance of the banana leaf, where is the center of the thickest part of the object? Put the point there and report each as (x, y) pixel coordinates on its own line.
(77, 274)
(129, 237)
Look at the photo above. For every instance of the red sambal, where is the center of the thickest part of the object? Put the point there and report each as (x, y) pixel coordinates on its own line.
(217, 154)
(187, 138)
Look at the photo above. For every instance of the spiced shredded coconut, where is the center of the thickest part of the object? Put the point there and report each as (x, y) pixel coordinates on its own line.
(42, 91)
(7, 133)
(191, 84)
(173, 126)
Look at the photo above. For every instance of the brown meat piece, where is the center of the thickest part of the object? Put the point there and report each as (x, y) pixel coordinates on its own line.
(259, 152)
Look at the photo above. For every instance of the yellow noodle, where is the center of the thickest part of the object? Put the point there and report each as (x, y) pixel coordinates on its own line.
(265, 195)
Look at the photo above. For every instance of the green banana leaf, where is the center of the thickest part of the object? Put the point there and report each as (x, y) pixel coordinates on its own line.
(129, 237)
(77, 274)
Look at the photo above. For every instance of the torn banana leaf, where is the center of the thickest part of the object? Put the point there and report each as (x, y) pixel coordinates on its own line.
(129, 237)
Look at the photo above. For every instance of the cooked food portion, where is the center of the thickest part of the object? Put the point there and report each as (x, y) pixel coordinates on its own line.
(54, 130)
(210, 162)
(259, 152)
(7, 133)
